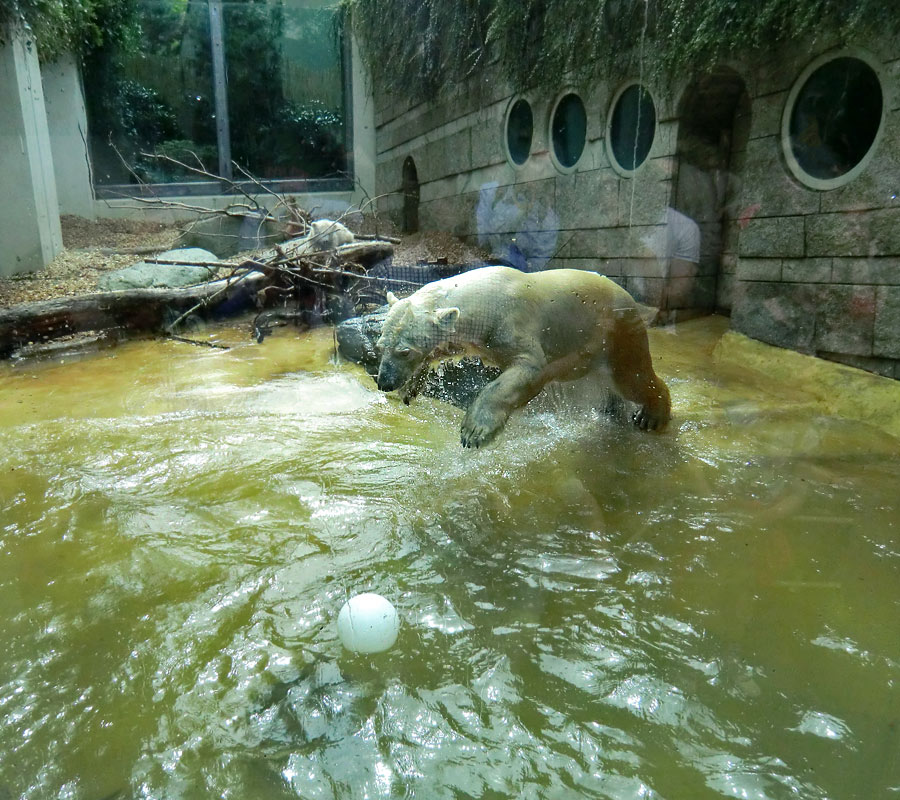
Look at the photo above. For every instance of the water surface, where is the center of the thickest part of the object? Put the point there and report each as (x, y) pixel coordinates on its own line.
(588, 611)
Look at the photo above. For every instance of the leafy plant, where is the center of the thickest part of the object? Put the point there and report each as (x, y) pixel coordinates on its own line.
(77, 26)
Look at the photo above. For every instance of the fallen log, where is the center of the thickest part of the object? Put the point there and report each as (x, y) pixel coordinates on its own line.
(144, 310)
(279, 272)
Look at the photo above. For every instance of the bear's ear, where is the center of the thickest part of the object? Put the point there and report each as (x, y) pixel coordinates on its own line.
(445, 318)
(392, 298)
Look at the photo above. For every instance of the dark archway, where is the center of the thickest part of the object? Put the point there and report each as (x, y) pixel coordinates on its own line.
(410, 189)
(714, 125)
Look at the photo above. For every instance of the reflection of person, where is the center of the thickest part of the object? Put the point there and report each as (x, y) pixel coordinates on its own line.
(519, 230)
(679, 247)
(682, 237)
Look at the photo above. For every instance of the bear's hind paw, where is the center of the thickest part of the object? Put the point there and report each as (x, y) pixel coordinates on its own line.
(646, 420)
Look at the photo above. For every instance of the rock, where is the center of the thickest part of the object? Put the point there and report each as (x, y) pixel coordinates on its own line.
(145, 275)
(455, 382)
(356, 339)
(226, 235)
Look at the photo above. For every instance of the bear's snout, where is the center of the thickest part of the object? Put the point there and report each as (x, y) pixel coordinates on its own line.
(388, 378)
(384, 383)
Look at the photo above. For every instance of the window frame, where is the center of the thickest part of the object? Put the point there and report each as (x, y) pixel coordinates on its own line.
(506, 117)
(826, 184)
(610, 152)
(562, 95)
(229, 186)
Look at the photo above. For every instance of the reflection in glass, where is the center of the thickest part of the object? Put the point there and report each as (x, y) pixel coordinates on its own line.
(285, 89)
(155, 100)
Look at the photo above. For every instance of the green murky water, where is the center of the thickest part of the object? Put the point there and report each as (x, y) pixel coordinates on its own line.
(588, 611)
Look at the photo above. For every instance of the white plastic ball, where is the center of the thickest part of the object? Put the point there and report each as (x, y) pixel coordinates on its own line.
(368, 623)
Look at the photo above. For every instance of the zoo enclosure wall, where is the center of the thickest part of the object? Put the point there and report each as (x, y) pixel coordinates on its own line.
(800, 266)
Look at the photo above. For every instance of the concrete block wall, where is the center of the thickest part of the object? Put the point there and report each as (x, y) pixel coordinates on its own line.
(590, 217)
(813, 270)
(819, 270)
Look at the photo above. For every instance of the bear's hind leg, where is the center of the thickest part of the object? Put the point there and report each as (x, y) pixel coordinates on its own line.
(633, 375)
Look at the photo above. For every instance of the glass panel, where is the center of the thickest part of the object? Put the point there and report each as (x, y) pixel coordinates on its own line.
(156, 100)
(286, 88)
(285, 79)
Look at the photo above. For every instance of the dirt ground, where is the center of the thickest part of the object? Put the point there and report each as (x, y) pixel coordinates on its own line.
(93, 247)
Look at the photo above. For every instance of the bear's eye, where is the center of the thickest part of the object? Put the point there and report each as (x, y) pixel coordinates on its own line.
(403, 352)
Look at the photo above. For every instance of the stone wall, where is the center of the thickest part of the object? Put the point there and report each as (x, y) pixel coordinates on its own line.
(810, 269)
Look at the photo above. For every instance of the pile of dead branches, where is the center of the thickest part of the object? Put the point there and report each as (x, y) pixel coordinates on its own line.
(320, 275)
(289, 281)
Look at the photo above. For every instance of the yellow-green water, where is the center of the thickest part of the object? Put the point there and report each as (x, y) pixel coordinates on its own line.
(588, 611)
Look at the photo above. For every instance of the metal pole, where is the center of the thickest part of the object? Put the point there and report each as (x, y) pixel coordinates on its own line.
(220, 88)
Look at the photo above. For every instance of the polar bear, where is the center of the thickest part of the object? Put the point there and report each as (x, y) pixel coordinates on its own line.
(537, 327)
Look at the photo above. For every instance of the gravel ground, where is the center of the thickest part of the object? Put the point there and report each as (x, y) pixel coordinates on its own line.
(93, 247)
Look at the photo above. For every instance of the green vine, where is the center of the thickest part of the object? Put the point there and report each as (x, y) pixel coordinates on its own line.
(420, 47)
(76, 26)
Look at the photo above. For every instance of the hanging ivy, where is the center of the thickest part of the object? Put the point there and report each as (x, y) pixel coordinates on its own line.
(76, 26)
(419, 47)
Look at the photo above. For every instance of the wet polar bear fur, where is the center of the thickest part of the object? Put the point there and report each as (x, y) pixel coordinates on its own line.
(537, 327)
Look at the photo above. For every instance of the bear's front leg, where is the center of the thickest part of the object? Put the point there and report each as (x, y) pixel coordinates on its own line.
(491, 408)
(410, 390)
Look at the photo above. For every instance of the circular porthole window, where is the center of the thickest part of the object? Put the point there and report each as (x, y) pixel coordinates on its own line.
(568, 130)
(632, 128)
(833, 116)
(519, 131)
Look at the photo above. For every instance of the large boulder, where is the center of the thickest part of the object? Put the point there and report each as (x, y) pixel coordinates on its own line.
(145, 275)
(226, 235)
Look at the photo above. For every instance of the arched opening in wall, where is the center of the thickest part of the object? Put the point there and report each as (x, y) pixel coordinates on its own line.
(713, 128)
(410, 188)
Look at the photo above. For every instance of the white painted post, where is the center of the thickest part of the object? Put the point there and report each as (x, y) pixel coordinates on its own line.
(30, 235)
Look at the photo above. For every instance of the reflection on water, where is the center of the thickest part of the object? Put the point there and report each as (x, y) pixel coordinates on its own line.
(587, 610)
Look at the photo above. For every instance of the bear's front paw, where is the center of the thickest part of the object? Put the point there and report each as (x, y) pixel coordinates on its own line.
(480, 426)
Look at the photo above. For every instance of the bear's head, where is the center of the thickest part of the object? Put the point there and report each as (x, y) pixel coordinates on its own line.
(411, 332)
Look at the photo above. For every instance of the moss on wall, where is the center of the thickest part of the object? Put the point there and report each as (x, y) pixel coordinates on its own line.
(420, 47)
